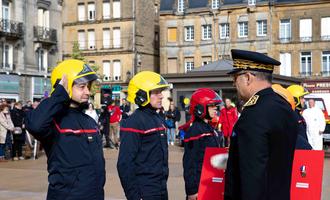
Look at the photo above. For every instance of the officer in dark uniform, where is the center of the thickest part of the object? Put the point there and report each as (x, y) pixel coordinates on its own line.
(264, 137)
(143, 156)
(70, 138)
(203, 107)
(298, 92)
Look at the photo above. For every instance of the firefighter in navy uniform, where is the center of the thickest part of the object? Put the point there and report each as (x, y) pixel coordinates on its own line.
(70, 138)
(143, 155)
(298, 92)
(264, 137)
(203, 108)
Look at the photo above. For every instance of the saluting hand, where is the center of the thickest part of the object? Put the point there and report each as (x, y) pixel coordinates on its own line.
(64, 82)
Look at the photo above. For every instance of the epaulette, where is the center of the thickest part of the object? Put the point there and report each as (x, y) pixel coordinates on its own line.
(252, 101)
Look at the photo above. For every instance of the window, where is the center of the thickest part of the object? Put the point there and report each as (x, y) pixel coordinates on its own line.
(171, 34)
(81, 12)
(6, 17)
(91, 39)
(189, 33)
(81, 40)
(116, 70)
(261, 27)
(106, 10)
(242, 29)
(326, 63)
(7, 56)
(42, 59)
(106, 38)
(306, 64)
(91, 11)
(251, 2)
(106, 70)
(285, 30)
(189, 64)
(224, 30)
(325, 28)
(116, 38)
(206, 32)
(116, 9)
(43, 18)
(206, 60)
(215, 4)
(305, 30)
(285, 68)
(180, 5)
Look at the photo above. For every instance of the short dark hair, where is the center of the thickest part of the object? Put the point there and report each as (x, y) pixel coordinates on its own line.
(264, 76)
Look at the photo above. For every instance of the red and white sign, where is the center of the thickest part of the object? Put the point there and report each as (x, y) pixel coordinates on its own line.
(212, 183)
(307, 172)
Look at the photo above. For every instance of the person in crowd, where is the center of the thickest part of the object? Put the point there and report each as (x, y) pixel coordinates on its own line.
(17, 116)
(6, 127)
(71, 139)
(228, 118)
(143, 156)
(315, 122)
(298, 92)
(263, 139)
(200, 134)
(115, 118)
(92, 112)
(125, 109)
(172, 116)
(28, 107)
(104, 123)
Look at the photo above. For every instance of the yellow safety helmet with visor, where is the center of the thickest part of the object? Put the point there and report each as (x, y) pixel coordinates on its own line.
(76, 71)
(141, 84)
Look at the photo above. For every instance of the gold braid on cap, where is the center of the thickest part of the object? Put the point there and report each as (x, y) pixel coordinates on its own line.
(248, 64)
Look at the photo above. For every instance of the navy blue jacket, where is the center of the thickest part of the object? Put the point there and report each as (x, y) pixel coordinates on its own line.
(199, 136)
(261, 150)
(73, 146)
(302, 140)
(143, 156)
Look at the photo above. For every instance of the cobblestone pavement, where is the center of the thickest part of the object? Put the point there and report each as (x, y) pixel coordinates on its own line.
(28, 179)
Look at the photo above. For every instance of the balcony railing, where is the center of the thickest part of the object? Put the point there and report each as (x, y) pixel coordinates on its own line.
(304, 74)
(46, 35)
(285, 39)
(7, 66)
(325, 73)
(11, 28)
(325, 37)
(305, 39)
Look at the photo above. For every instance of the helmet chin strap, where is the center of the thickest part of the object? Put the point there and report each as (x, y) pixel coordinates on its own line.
(80, 106)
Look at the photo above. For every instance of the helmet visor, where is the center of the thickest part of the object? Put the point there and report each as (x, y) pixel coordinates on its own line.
(85, 79)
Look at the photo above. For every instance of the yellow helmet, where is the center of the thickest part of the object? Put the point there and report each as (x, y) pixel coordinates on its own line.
(285, 94)
(297, 91)
(141, 84)
(76, 71)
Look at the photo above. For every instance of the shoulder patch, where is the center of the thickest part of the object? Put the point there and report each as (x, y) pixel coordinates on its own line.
(252, 101)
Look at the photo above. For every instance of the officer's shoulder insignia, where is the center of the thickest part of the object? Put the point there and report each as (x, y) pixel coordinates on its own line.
(252, 101)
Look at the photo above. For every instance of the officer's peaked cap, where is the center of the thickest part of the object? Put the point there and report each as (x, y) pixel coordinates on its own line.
(252, 61)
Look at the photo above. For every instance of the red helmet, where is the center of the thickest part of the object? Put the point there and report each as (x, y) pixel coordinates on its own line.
(202, 98)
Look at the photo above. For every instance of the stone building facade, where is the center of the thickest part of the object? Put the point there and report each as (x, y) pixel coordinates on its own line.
(119, 36)
(30, 32)
(296, 32)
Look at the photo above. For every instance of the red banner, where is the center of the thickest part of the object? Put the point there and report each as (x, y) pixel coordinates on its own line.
(307, 172)
(212, 183)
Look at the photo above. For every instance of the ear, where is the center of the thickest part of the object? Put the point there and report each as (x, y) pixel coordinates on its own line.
(199, 110)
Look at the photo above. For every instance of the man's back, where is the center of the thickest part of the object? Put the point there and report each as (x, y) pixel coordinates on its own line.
(261, 151)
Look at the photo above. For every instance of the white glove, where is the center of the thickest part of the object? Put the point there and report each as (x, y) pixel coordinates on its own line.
(219, 161)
